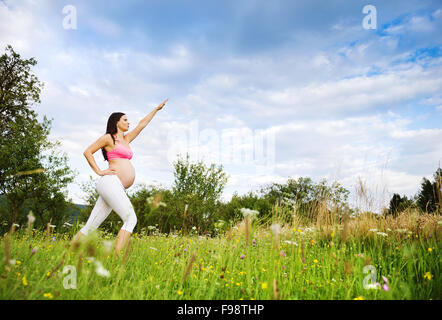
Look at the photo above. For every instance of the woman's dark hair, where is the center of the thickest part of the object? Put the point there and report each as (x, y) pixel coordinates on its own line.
(112, 128)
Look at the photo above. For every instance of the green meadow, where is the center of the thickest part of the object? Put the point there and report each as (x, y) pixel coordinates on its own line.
(364, 258)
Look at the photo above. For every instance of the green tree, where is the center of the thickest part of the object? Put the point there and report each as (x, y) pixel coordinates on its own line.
(429, 197)
(200, 188)
(25, 169)
(19, 89)
(398, 204)
(306, 195)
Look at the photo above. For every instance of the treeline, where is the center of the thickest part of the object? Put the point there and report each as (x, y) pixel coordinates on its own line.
(34, 176)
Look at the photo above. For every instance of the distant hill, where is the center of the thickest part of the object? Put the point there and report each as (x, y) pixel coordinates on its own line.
(73, 213)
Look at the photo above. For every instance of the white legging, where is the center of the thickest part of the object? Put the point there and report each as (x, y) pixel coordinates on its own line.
(111, 196)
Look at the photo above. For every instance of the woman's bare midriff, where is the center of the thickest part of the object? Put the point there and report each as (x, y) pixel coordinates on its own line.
(125, 171)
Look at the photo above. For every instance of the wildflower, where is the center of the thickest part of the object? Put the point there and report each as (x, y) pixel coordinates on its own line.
(264, 285)
(313, 241)
(428, 276)
(48, 274)
(242, 256)
(31, 218)
(254, 242)
(291, 242)
(185, 249)
(34, 250)
(430, 249)
(53, 239)
(359, 298)
(25, 282)
(48, 295)
(249, 213)
(283, 266)
(385, 287)
(180, 292)
(107, 245)
(276, 228)
(382, 234)
(154, 248)
(16, 225)
(361, 255)
(283, 253)
(18, 262)
(385, 279)
(100, 270)
(315, 261)
(373, 230)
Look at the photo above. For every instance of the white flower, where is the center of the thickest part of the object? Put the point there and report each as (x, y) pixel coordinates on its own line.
(382, 234)
(401, 230)
(373, 230)
(276, 228)
(67, 224)
(52, 226)
(153, 248)
(16, 225)
(151, 227)
(31, 217)
(249, 213)
(107, 245)
(12, 261)
(291, 242)
(100, 270)
(193, 228)
(162, 204)
(388, 229)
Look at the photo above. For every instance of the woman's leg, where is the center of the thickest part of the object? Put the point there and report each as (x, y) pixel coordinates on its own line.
(114, 194)
(99, 213)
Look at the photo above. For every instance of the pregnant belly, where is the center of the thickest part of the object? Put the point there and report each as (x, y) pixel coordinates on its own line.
(125, 171)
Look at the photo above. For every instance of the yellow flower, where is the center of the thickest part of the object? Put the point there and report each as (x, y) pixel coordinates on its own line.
(299, 231)
(18, 274)
(264, 285)
(428, 276)
(332, 234)
(25, 282)
(180, 292)
(264, 270)
(313, 241)
(48, 295)
(18, 262)
(359, 298)
(48, 274)
(315, 261)
(429, 250)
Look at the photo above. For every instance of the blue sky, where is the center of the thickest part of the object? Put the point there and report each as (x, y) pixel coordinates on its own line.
(342, 102)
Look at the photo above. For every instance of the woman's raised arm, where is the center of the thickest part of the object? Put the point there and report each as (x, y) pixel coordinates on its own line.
(143, 123)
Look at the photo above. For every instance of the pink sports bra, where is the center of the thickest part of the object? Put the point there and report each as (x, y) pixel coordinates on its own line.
(120, 152)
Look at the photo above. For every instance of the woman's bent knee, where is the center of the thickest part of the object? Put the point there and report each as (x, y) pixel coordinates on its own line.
(130, 223)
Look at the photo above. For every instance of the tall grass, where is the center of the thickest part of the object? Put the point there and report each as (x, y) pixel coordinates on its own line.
(320, 259)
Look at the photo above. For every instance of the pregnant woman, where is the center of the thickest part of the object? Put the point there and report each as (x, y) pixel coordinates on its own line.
(119, 176)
